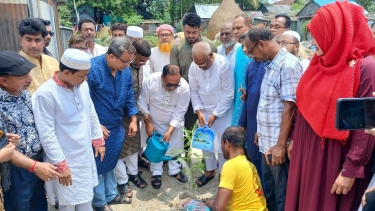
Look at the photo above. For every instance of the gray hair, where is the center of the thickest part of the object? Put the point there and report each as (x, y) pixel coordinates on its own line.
(120, 45)
(260, 33)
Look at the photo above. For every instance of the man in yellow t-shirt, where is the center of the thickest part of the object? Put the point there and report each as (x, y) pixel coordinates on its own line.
(240, 187)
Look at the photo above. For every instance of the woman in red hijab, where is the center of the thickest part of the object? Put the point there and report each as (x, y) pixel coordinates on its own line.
(330, 169)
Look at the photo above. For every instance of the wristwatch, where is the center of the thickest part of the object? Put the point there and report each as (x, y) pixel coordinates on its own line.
(170, 131)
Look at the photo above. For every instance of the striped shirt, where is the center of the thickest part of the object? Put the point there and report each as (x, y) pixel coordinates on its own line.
(279, 84)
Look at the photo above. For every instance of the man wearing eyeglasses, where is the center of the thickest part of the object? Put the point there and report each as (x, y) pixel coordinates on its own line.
(211, 84)
(132, 144)
(279, 25)
(290, 40)
(164, 100)
(111, 90)
(32, 37)
(50, 34)
(160, 54)
(276, 109)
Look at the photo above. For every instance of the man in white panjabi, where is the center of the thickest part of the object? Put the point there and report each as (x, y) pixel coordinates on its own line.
(68, 128)
(160, 54)
(164, 101)
(211, 81)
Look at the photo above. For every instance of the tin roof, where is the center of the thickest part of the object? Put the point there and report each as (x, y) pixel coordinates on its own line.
(205, 11)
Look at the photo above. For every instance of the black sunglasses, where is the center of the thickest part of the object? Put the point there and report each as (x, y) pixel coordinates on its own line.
(51, 33)
(170, 85)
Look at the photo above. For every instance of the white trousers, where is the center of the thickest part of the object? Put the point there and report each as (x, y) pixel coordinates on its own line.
(157, 168)
(79, 207)
(132, 168)
(212, 161)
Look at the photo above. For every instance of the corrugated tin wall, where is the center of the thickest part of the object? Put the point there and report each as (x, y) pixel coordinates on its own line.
(66, 33)
(11, 13)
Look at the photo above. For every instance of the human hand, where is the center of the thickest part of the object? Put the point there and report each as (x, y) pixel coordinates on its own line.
(106, 132)
(66, 178)
(201, 118)
(364, 195)
(133, 128)
(100, 150)
(6, 153)
(147, 118)
(167, 136)
(149, 129)
(244, 94)
(211, 120)
(46, 171)
(256, 138)
(13, 138)
(342, 184)
(289, 149)
(278, 154)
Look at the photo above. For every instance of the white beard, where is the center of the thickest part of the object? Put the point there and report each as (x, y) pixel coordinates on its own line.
(229, 44)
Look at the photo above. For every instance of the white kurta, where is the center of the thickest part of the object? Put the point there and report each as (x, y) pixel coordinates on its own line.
(98, 50)
(67, 123)
(166, 108)
(212, 90)
(157, 62)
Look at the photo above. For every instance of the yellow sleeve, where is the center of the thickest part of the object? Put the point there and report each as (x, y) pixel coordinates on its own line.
(228, 176)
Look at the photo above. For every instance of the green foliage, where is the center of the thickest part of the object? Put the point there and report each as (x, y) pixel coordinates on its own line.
(297, 6)
(367, 4)
(371, 8)
(304, 28)
(132, 19)
(64, 16)
(152, 40)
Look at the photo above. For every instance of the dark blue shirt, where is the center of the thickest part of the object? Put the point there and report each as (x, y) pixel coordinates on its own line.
(254, 77)
(111, 95)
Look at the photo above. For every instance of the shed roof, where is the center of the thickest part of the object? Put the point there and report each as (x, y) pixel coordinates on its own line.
(277, 9)
(206, 10)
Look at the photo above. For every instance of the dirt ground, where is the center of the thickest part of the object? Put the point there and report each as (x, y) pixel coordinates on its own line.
(169, 197)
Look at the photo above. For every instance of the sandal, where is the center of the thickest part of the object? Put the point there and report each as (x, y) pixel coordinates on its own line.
(125, 190)
(120, 200)
(143, 162)
(103, 208)
(156, 181)
(138, 181)
(140, 171)
(203, 180)
(180, 177)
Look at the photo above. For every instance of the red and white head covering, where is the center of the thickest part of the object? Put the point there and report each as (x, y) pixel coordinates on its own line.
(164, 27)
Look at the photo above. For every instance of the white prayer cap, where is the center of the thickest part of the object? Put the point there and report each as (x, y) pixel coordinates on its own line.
(294, 34)
(134, 32)
(76, 59)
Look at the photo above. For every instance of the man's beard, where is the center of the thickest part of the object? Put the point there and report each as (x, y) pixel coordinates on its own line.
(165, 47)
(229, 44)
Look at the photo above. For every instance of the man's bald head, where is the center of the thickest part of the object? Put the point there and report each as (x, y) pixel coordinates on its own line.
(202, 55)
(235, 136)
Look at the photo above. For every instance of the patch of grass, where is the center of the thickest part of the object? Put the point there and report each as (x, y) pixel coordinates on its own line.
(152, 40)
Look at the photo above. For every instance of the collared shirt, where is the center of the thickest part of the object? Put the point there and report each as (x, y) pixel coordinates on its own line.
(279, 84)
(17, 118)
(171, 103)
(231, 56)
(68, 127)
(181, 54)
(42, 72)
(111, 96)
(97, 51)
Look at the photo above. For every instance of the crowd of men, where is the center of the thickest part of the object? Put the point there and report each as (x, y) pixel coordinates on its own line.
(76, 129)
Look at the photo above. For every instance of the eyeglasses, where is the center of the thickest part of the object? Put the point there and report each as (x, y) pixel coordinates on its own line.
(202, 65)
(226, 34)
(251, 50)
(276, 27)
(170, 85)
(126, 63)
(285, 43)
(164, 35)
(51, 33)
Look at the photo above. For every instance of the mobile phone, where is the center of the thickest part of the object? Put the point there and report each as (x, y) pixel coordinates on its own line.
(355, 113)
(269, 157)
